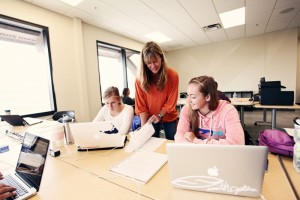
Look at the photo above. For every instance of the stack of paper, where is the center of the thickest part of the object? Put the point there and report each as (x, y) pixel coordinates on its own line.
(141, 165)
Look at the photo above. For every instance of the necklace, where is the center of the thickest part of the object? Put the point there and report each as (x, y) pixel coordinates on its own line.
(205, 113)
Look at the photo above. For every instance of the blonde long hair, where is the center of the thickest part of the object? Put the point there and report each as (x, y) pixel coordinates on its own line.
(151, 51)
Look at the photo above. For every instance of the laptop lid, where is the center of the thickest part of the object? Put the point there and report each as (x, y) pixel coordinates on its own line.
(32, 158)
(14, 120)
(227, 169)
(96, 135)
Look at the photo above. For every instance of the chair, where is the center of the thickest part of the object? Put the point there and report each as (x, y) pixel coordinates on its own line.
(59, 114)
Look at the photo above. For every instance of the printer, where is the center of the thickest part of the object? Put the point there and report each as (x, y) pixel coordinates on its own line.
(271, 94)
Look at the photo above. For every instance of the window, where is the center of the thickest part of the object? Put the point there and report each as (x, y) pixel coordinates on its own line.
(26, 72)
(117, 67)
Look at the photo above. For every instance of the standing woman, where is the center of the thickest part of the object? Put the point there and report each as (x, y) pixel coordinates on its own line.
(157, 91)
(114, 111)
(207, 120)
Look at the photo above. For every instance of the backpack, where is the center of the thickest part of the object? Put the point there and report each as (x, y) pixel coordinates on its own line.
(278, 141)
(136, 123)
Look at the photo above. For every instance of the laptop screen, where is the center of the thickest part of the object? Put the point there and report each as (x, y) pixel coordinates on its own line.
(32, 158)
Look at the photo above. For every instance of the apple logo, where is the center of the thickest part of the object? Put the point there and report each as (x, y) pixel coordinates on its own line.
(213, 171)
(97, 136)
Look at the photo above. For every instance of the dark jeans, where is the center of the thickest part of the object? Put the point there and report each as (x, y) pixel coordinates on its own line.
(168, 127)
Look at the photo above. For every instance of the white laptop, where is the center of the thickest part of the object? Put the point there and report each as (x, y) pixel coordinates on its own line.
(227, 169)
(30, 166)
(96, 135)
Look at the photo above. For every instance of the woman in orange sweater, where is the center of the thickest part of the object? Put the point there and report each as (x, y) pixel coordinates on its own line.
(157, 91)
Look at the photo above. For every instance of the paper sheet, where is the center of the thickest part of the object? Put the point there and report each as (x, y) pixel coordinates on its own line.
(141, 165)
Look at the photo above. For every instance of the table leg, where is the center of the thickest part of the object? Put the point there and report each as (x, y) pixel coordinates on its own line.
(273, 119)
(242, 115)
(264, 118)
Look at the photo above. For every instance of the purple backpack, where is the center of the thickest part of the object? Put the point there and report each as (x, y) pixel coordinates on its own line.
(279, 142)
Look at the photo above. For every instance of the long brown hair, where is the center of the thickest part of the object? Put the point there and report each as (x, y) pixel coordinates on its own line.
(152, 51)
(207, 86)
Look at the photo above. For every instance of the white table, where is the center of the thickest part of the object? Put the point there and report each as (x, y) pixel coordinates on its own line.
(274, 108)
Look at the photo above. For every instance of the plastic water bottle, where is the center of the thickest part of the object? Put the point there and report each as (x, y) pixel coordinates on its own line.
(68, 135)
(234, 95)
(296, 159)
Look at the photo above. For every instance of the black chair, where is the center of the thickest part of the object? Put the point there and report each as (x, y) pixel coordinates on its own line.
(59, 114)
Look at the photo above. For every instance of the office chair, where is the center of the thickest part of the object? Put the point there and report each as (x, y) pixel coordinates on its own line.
(59, 114)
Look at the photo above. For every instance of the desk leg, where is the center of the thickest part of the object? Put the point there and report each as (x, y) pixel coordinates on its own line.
(264, 118)
(273, 120)
(242, 115)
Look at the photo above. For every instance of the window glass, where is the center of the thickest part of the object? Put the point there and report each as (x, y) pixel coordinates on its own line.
(25, 78)
(117, 67)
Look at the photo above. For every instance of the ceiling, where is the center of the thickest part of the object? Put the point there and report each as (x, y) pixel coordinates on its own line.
(181, 20)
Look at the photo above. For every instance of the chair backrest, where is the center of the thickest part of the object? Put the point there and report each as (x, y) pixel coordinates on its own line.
(59, 114)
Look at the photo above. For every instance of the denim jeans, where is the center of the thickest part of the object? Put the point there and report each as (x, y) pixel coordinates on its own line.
(168, 127)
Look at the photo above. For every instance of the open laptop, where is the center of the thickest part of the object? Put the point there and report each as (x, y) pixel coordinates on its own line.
(30, 166)
(227, 169)
(96, 135)
(17, 120)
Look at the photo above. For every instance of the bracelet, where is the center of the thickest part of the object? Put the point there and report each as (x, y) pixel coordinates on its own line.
(160, 115)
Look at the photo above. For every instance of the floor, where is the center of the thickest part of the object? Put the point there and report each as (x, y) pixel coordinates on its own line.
(284, 119)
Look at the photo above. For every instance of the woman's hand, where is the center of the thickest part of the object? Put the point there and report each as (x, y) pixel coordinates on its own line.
(154, 119)
(189, 136)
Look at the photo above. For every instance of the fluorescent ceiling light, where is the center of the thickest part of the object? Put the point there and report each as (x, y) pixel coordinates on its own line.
(158, 37)
(233, 18)
(72, 2)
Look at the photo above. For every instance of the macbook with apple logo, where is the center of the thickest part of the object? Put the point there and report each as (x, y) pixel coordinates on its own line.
(227, 169)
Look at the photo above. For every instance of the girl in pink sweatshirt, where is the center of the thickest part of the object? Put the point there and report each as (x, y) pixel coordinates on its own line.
(207, 120)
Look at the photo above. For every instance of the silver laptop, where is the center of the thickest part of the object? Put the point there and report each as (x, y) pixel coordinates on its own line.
(96, 135)
(30, 166)
(227, 169)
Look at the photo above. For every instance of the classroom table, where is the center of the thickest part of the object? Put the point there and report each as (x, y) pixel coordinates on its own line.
(273, 108)
(242, 103)
(86, 175)
(61, 180)
(291, 173)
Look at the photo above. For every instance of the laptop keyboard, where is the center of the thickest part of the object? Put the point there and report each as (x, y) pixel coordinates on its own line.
(20, 190)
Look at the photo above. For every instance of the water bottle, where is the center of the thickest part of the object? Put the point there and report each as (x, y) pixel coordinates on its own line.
(234, 95)
(68, 135)
(296, 159)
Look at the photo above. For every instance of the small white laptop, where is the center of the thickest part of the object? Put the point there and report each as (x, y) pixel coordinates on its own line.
(30, 166)
(96, 135)
(227, 169)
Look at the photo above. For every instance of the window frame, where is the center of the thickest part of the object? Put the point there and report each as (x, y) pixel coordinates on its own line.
(46, 47)
(124, 62)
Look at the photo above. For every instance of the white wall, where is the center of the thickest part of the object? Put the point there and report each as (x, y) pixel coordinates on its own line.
(91, 34)
(236, 65)
(239, 64)
(74, 55)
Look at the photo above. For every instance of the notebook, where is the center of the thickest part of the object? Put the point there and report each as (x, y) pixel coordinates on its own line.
(227, 169)
(17, 120)
(96, 135)
(30, 166)
(140, 166)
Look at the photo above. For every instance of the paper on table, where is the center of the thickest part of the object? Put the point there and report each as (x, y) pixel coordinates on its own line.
(139, 137)
(141, 166)
(152, 144)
